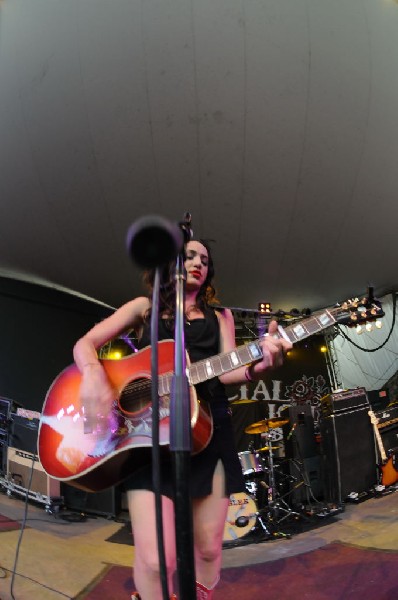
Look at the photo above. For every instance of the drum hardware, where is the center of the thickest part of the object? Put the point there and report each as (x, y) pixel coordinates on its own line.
(265, 425)
(277, 506)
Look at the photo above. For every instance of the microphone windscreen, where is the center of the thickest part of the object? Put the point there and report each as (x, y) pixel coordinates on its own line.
(153, 241)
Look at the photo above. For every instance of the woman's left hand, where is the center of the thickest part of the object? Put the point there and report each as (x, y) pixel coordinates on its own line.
(274, 351)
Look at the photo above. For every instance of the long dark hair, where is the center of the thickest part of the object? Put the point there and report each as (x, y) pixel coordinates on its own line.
(206, 295)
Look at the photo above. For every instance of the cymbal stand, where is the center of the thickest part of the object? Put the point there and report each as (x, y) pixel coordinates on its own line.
(276, 505)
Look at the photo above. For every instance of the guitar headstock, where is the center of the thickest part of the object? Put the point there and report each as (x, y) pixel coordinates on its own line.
(374, 420)
(355, 312)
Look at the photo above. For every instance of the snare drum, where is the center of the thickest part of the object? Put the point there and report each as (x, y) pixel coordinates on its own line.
(251, 464)
(241, 516)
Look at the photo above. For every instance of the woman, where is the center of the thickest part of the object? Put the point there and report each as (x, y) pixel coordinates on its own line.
(216, 471)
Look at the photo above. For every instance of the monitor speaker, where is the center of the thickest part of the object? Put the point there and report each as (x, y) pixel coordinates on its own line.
(349, 454)
(106, 503)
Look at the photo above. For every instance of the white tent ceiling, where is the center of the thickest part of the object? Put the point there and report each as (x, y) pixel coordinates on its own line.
(273, 122)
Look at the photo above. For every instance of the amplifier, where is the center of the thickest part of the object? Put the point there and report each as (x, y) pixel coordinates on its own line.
(23, 433)
(5, 411)
(388, 427)
(344, 401)
(19, 468)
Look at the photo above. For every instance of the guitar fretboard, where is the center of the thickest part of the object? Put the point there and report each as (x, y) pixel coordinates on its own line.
(225, 362)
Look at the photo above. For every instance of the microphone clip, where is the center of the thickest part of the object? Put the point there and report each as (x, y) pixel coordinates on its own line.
(185, 226)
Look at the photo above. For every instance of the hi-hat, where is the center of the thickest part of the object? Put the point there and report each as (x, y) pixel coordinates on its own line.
(266, 448)
(263, 426)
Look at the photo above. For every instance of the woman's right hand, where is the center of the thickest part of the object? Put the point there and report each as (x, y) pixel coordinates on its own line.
(96, 396)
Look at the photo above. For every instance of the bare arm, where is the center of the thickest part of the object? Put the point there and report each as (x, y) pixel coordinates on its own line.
(96, 392)
(274, 350)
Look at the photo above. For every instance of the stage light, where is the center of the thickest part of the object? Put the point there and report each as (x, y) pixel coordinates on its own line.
(378, 324)
(323, 349)
(359, 329)
(368, 326)
(264, 308)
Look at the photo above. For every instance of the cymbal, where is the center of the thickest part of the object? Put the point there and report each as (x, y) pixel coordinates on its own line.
(266, 448)
(243, 401)
(263, 426)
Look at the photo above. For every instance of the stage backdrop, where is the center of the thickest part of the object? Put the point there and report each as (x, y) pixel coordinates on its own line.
(303, 379)
(39, 326)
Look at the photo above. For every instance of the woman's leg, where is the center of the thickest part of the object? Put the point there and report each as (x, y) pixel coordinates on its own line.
(146, 563)
(209, 515)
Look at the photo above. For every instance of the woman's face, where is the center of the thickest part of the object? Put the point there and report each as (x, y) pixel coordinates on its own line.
(196, 264)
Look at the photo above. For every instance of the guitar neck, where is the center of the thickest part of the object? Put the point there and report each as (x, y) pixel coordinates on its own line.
(225, 362)
(374, 421)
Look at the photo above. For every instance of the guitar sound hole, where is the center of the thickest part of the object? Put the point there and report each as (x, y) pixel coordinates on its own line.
(136, 396)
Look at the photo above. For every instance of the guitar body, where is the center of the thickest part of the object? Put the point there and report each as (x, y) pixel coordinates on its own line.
(389, 473)
(122, 442)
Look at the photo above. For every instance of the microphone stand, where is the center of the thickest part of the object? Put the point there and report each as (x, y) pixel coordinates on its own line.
(181, 447)
(152, 241)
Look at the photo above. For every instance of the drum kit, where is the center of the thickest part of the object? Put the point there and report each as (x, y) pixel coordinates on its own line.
(263, 507)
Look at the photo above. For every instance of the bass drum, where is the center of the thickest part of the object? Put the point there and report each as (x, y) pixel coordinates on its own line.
(241, 516)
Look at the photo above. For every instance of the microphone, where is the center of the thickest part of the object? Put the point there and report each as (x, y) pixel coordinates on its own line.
(153, 241)
(289, 435)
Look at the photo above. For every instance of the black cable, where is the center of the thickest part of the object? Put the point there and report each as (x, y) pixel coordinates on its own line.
(156, 475)
(394, 302)
(23, 524)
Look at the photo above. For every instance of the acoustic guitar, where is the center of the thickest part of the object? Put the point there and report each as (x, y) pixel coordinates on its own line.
(122, 442)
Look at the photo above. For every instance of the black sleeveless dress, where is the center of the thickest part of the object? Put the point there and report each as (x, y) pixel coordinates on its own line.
(202, 338)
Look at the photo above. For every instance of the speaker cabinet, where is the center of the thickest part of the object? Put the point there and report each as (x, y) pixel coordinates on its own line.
(303, 464)
(389, 437)
(349, 454)
(3, 456)
(23, 433)
(107, 503)
(388, 427)
(19, 469)
(299, 433)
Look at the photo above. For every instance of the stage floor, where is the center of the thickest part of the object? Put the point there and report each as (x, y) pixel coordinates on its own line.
(58, 559)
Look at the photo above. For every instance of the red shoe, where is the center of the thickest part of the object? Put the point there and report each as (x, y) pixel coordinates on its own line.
(204, 593)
